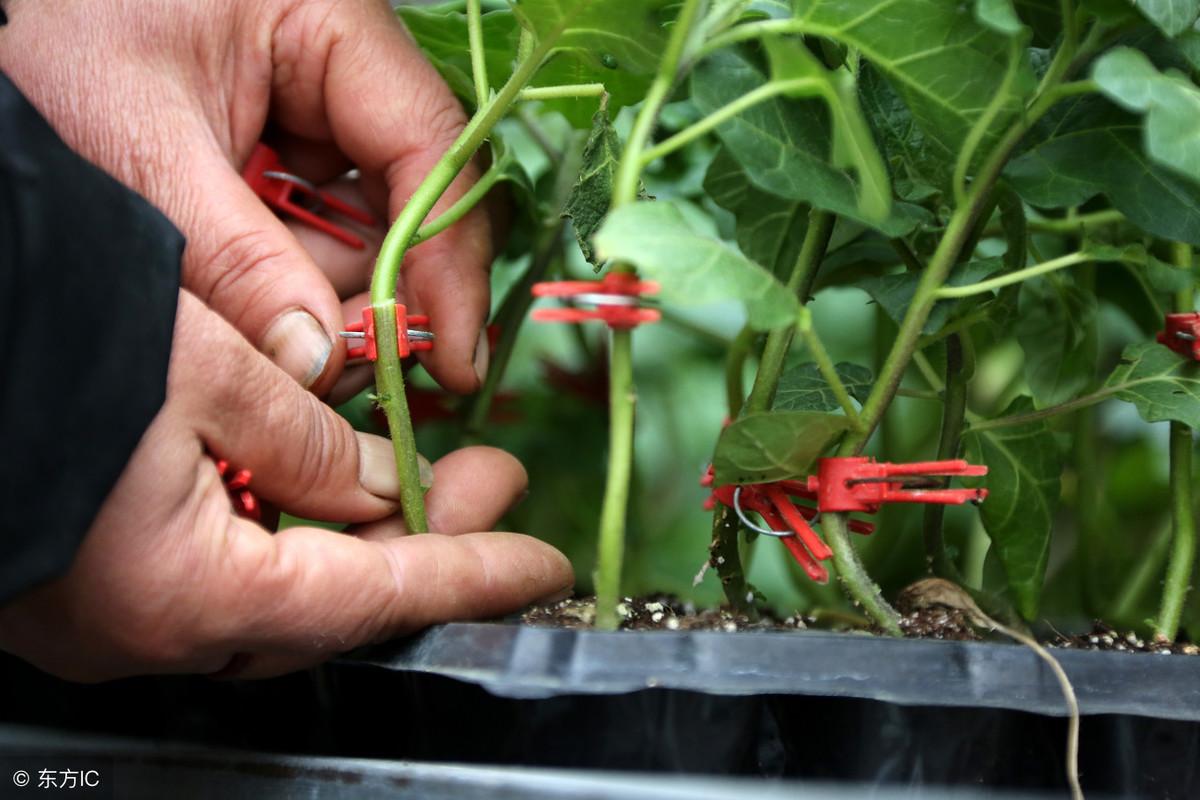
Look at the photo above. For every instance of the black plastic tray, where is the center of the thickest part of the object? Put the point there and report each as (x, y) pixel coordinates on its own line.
(518, 661)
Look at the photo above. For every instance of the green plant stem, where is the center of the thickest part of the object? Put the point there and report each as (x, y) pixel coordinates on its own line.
(389, 376)
(954, 411)
(854, 577)
(1183, 523)
(1145, 571)
(726, 112)
(621, 389)
(621, 402)
(478, 63)
(825, 364)
(1183, 535)
(725, 558)
(735, 365)
(566, 91)
(462, 206)
(800, 282)
(999, 282)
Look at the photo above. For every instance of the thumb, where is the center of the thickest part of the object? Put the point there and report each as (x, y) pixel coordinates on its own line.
(246, 265)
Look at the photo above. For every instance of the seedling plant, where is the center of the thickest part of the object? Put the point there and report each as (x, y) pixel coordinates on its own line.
(1015, 188)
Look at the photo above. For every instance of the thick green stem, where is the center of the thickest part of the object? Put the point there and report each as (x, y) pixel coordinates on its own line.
(1183, 522)
(726, 559)
(475, 42)
(1183, 535)
(954, 412)
(854, 578)
(621, 403)
(621, 390)
(800, 281)
(389, 377)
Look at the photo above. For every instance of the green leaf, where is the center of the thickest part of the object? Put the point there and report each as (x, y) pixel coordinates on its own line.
(1163, 277)
(999, 15)
(769, 229)
(774, 445)
(1090, 147)
(945, 64)
(853, 147)
(894, 293)
(1056, 326)
(592, 192)
(442, 36)
(1171, 105)
(1024, 466)
(785, 145)
(614, 42)
(917, 167)
(692, 268)
(803, 388)
(1172, 17)
(1160, 383)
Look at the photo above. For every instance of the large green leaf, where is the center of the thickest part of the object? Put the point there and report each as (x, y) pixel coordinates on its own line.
(785, 146)
(944, 63)
(1173, 17)
(1024, 466)
(1056, 326)
(894, 293)
(917, 166)
(1160, 383)
(774, 445)
(803, 388)
(692, 268)
(614, 42)
(769, 229)
(1171, 104)
(1089, 147)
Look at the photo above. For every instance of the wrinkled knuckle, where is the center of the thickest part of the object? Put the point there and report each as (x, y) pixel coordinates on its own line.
(235, 269)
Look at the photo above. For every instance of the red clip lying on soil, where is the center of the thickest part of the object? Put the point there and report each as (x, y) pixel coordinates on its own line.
(862, 484)
(408, 341)
(277, 187)
(237, 482)
(1182, 334)
(615, 301)
(786, 520)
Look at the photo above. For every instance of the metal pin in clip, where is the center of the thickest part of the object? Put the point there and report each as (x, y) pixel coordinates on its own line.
(408, 340)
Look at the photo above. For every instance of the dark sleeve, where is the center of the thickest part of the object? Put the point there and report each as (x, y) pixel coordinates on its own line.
(89, 279)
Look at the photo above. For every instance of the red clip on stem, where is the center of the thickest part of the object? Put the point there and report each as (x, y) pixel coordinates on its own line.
(862, 484)
(272, 182)
(772, 502)
(407, 341)
(237, 482)
(615, 301)
(1182, 334)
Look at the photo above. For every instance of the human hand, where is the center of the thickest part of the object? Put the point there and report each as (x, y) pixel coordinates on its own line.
(169, 579)
(170, 97)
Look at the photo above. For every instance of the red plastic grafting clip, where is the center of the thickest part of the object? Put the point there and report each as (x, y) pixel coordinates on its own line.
(408, 340)
(237, 482)
(277, 187)
(863, 484)
(786, 520)
(615, 301)
(1182, 334)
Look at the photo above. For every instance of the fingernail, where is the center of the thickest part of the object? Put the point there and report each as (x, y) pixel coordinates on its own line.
(299, 346)
(426, 472)
(377, 467)
(481, 356)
